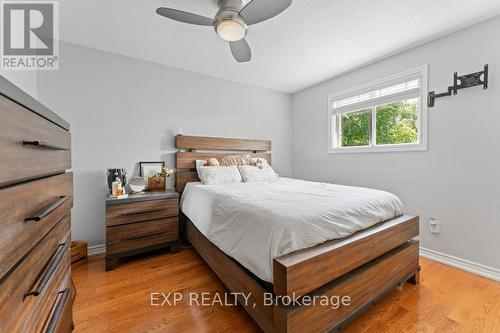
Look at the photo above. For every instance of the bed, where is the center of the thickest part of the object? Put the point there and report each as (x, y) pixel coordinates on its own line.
(362, 260)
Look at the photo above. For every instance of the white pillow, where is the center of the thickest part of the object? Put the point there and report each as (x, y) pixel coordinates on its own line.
(264, 173)
(213, 175)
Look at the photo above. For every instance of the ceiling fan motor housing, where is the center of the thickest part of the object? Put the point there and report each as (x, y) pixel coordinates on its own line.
(232, 5)
(229, 14)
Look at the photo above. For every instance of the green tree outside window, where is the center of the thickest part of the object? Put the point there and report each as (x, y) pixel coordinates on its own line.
(356, 128)
(396, 123)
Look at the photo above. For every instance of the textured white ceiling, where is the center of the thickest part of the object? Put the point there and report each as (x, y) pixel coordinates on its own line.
(308, 43)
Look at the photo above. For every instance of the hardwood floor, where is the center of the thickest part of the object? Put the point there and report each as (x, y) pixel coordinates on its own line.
(447, 300)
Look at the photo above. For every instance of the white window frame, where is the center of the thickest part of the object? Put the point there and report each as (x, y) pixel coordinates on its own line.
(333, 122)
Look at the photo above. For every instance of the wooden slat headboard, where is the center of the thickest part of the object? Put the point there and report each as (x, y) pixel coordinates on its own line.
(192, 148)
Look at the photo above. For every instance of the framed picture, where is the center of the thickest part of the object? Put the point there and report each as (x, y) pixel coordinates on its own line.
(149, 169)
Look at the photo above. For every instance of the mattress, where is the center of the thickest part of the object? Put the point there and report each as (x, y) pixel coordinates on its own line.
(255, 222)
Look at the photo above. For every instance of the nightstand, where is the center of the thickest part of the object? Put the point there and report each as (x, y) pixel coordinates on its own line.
(141, 223)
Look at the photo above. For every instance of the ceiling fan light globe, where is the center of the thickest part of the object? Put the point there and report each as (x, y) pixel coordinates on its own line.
(231, 30)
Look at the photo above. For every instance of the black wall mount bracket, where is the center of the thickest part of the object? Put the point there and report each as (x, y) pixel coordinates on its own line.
(462, 82)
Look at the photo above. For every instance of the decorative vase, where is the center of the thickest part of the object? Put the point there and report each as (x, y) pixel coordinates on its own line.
(112, 174)
(156, 183)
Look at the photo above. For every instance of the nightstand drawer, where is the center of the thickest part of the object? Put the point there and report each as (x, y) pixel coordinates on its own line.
(135, 236)
(118, 214)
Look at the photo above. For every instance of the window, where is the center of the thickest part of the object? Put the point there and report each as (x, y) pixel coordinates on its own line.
(386, 115)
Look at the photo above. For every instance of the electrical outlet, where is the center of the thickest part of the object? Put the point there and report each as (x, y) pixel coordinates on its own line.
(434, 225)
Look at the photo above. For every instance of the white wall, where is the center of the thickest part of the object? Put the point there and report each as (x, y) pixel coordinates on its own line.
(458, 179)
(124, 110)
(26, 80)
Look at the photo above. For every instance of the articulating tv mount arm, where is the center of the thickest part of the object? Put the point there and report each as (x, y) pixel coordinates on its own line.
(461, 82)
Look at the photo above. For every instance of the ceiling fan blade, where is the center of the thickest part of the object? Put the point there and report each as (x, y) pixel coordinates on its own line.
(241, 51)
(185, 17)
(260, 10)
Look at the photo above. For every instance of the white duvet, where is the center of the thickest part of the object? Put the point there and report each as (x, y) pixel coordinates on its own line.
(256, 222)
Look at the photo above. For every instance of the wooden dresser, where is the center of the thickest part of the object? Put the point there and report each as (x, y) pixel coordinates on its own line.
(141, 223)
(36, 197)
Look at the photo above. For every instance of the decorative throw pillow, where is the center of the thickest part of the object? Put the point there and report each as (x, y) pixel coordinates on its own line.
(244, 159)
(258, 171)
(235, 160)
(213, 175)
(227, 160)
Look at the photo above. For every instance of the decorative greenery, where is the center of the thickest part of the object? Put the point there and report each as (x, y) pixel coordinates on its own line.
(396, 123)
(165, 172)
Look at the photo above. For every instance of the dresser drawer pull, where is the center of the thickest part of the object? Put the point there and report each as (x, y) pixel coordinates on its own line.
(49, 209)
(42, 145)
(62, 297)
(51, 268)
(144, 236)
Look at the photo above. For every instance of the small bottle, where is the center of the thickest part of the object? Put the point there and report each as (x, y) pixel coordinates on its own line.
(119, 188)
(116, 187)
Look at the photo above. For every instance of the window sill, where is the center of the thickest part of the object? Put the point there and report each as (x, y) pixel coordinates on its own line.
(378, 149)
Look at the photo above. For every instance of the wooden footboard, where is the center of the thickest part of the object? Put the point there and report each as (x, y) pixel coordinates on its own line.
(364, 285)
(303, 271)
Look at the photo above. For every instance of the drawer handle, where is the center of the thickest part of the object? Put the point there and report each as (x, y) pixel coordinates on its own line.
(58, 310)
(43, 145)
(51, 268)
(50, 209)
(144, 236)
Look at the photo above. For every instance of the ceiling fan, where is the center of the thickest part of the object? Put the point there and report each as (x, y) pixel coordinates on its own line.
(232, 20)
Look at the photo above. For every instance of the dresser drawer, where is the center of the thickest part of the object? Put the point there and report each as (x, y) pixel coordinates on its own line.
(61, 316)
(30, 145)
(140, 235)
(35, 279)
(54, 312)
(132, 212)
(27, 212)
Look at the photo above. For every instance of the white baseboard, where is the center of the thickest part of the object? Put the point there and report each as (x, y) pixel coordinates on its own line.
(463, 264)
(96, 250)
